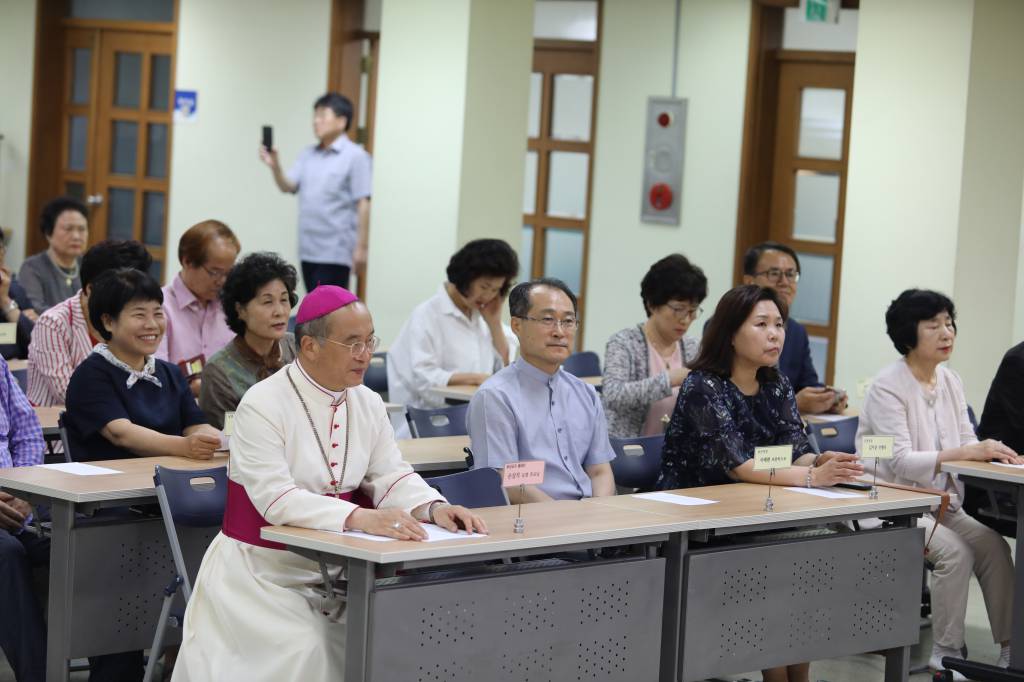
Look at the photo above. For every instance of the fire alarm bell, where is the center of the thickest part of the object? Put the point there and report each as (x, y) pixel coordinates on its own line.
(663, 160)
(661, 197)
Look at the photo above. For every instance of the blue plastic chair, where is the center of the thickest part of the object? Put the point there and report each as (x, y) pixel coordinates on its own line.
(442, 421)
(838, 436)
(376, 377)
(637, 461)
(472, 489)
(192, 506)
(584, 364)
(21, 376)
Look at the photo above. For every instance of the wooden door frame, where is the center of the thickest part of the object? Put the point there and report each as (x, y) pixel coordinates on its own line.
(49, 81)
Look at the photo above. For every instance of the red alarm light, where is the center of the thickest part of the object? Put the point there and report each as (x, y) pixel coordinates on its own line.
(661, 196)
(664, 119)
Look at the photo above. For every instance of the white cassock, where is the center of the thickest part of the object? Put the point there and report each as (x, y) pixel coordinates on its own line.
(254, 614)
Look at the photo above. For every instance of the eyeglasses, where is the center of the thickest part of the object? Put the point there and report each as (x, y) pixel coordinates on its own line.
(685, 312)
(359, 347)
(214, 273)
(776, 275)
(568, 324)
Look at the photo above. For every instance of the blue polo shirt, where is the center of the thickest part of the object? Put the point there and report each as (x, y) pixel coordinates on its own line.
(98, 394)
(331, 182)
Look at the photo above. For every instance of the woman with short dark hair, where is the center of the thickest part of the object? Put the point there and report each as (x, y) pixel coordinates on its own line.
(921, 403)
(257, 298)
(645, 364)
(52, 276)
(735, 400)
(122, 402)
(456, 337)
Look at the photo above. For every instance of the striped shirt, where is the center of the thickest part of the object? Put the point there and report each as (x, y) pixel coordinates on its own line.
(60, 342)
(21, 437)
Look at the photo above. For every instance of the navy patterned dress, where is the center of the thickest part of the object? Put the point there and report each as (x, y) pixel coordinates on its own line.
(715, 428)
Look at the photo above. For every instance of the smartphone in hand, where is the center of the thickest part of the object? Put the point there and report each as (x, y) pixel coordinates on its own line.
(268, 138)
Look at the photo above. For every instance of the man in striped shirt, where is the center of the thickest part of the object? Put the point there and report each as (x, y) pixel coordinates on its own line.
(63, 336)
(22, 632)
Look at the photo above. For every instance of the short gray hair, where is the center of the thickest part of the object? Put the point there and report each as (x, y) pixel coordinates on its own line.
(519, 297)
(318, 328)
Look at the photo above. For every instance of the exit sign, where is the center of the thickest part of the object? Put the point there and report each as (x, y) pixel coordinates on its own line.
(821, 11)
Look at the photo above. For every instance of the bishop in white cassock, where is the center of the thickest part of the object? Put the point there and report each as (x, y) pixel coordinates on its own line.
(312, 448)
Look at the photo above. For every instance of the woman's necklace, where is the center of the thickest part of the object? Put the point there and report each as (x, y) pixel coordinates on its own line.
(69, 274)
(664, 358)
(335, 482)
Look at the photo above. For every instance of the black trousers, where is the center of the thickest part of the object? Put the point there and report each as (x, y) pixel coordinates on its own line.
(22, 631)
(324, 273)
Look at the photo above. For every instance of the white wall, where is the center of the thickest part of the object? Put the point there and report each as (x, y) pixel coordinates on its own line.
(636, 62)
(17, 47)
(905, 166)
(253, 63)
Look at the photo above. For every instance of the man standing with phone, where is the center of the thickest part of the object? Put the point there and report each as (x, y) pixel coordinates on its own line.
(333, 181)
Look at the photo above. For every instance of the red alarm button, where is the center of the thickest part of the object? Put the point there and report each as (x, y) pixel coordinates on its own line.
(661, 196)
(664, 119)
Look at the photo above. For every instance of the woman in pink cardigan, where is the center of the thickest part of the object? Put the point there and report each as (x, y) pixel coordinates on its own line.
(921, 403)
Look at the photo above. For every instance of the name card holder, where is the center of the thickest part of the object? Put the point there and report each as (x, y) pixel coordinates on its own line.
(522, 474)
(770, 458)
(876, 447)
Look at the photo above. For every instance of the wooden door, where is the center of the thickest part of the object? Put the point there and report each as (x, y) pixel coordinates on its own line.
(808, 193)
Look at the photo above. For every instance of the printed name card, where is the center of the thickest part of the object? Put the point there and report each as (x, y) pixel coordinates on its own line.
(9, 332)
(522, 473)
(229, 423)
(773, 457)
(877, 447)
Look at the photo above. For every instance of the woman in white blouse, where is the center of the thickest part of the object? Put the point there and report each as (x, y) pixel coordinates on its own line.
(456, 337)
(921, 403)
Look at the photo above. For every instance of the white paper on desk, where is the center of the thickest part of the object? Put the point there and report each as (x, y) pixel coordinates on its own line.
(822, 492)
(434, 534)
(674, 499)
(1011, 466)
(80, 469)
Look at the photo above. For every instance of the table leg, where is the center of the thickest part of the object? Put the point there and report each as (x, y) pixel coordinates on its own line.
(1017, 633)
(671, 649)
(360, 576)
(62, 570)
(897, 664)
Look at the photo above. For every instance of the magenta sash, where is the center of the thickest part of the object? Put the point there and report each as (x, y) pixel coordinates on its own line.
(243, 522)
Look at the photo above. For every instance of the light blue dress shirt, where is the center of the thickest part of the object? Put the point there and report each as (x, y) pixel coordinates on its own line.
(331, 182)
(524, 413)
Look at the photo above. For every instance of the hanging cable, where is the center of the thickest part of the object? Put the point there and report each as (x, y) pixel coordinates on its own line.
(675, 47)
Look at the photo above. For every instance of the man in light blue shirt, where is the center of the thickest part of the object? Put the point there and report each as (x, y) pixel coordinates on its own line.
(534, 410)
(332, 179)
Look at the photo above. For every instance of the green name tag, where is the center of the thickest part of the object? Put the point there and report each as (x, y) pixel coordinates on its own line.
(773, 457)
(876, 447)
(9, 332)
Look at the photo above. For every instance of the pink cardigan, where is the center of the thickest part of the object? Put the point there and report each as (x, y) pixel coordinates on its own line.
(897, 405)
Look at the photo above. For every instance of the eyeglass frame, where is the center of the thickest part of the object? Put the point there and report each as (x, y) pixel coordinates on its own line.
(791, 275)
(568, 324)
(686, 314)
(372, 346)
(216, 274)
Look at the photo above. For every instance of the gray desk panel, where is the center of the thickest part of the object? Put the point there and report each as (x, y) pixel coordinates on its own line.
(574, 622)
(760, 606)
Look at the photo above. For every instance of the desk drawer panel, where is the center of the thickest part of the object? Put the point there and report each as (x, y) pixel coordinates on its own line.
(753, 607)
(574, 622)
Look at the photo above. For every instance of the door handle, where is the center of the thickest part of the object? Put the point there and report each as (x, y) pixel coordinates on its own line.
(94, 199)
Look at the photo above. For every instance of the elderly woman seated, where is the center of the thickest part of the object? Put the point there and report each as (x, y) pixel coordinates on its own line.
(921, 403)
(257, 297)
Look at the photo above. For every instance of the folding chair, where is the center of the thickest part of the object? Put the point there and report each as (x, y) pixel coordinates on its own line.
(184, 501)
(637, 461)
(473, 488)
(837, 436)
(376, 377)
(583, 364)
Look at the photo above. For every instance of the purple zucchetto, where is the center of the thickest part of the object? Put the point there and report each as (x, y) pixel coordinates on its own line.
(323, 300)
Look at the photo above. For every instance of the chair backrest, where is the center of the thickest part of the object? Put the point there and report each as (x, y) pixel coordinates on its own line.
(973, 418)
(376, 377)
(838, 436)
(191, 505)
(473, 488)
(21, 376)
(583, 364)
(442, 421)
(64, 441)
(637, 461)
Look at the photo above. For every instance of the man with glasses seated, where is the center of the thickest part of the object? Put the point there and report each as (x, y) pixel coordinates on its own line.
(776, 266)
(533, 410)
(196, 328)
